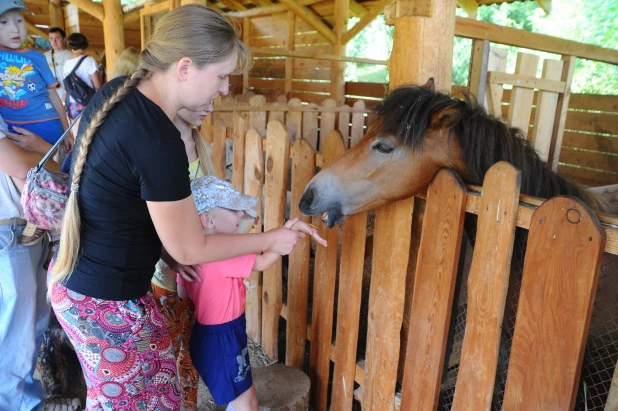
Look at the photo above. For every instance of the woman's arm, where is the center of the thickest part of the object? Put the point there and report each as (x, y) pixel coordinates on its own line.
(180, 231)
(29, 141)
(16, 162)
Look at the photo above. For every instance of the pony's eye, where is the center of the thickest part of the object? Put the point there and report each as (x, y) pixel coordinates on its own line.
(383, 148)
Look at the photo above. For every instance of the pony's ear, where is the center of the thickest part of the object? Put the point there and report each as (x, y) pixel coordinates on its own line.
(430, 85)
(446, 117)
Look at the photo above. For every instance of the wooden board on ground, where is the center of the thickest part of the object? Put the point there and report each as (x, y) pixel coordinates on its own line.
(561, 271)
(281, 388)
(434, 286)
(487, 287)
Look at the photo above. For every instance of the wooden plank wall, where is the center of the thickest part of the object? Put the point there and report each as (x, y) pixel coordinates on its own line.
(92, 28)
(310, 77)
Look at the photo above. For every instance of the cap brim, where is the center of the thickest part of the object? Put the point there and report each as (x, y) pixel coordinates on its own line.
(251, 212)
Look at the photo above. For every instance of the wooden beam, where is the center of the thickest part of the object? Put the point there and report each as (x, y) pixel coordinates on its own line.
(267, 11)
(289, 45)
(471, 7)
(113, 32)
(31, 28)
(330, 57)
(131, 17)
(56, 15)
(475, 29)
(545, 5)
(311, 18)
(362, 23)
(357, 9)
(337, 72)
(233, 4)
(94, 9)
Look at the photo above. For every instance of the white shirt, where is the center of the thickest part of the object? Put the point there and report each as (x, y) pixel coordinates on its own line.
(84, 71)
(58, 70)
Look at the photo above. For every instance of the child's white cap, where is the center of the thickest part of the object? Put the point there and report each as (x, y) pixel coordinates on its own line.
(210, 192)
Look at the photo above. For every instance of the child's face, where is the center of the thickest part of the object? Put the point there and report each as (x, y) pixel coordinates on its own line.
(226, 221)
(12, 29)
(195, 118)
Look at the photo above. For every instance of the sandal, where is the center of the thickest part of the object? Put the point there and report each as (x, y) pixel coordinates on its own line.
(58, 403)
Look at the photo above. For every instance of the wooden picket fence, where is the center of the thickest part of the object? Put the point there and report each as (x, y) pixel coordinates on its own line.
(565, 246)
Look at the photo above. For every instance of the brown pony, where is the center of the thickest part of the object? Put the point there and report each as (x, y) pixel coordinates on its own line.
(418, 131)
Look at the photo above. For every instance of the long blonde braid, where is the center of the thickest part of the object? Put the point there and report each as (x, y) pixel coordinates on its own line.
(70, 234)
(193, 31)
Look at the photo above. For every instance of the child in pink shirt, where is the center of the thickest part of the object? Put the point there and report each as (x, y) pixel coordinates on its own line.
(218, 344)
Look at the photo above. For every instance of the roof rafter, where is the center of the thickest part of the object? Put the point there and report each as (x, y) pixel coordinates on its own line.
(94, 9)
(266, 11)
(362, 23)
(311, 18)
(469, 6)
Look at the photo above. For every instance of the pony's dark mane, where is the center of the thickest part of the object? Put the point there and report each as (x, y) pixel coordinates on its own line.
(408, 111)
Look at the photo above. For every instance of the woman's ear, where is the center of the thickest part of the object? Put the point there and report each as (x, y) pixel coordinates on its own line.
(182, 68)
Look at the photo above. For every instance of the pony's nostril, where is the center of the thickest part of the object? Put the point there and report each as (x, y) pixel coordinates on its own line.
(306, 201)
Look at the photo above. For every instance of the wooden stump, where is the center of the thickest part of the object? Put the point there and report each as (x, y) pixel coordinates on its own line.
(281, 388)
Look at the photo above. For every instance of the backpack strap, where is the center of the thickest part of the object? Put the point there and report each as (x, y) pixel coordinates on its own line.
(77, 65)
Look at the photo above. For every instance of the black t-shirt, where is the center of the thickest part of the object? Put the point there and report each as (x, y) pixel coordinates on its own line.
(137, 155)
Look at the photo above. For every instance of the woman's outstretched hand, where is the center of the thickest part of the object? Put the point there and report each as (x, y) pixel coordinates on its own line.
(283, 239)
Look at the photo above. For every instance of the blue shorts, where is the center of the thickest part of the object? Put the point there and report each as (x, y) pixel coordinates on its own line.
(49, 130)
(220, 355)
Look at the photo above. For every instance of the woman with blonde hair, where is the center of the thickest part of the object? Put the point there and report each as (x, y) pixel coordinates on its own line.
(126, 63)
(131, 203)
(178, 313)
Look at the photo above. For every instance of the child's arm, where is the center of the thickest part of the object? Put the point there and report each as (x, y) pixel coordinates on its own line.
(57, 104)
(264, 261)
(182, 292)
(267, 259)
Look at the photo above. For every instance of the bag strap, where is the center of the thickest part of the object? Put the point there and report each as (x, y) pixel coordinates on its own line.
(77, 65)
(55, 146)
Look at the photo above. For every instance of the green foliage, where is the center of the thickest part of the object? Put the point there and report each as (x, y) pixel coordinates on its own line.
(586, 21)
(374, 42)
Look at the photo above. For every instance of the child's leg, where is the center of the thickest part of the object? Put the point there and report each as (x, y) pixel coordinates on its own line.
(247, 401)
(49, 130)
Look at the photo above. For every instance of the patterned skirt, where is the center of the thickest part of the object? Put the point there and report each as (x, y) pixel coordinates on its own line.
(179, 319)
(124, 350)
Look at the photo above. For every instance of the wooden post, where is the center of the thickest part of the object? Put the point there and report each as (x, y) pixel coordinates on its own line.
(422, 48)
(246, 27)
(337, 74)
(289, 62)
(71, 13)
(477, 80)
(113, 31)
(561, 112)
(56, 14)
(520, 105)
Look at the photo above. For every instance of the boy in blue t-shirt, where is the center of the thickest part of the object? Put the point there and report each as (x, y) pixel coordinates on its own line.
(28, 97)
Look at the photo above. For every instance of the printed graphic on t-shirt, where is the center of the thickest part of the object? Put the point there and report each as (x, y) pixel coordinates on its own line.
(16, 82)
(24, 78)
